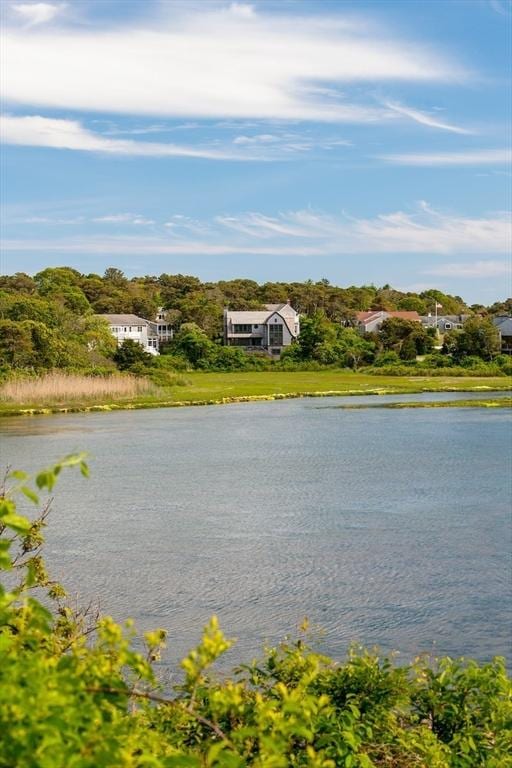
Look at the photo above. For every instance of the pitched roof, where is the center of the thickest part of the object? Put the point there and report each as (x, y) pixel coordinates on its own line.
(260, 317)
(124, 319)
(363, 317)
(253, 317)
(503, 324)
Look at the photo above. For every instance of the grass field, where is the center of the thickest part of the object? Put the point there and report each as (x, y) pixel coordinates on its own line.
(211, 388)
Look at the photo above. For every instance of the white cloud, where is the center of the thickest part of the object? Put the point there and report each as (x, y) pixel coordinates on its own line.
(37, 131)
(124, 218)
(467, 157)
(425, 119)
(478, 269)
(425, 231)
(38, 13)
(261, 138)
(307, 233)
(240, 63)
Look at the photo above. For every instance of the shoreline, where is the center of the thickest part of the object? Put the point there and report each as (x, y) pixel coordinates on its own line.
(22, 410)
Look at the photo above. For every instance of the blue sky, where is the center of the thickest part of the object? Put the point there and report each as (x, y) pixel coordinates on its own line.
(364, 142)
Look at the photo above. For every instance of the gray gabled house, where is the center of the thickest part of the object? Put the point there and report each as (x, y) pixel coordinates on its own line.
(504, 325)
(271, 329)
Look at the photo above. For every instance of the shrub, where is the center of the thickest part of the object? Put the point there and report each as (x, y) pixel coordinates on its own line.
(130, 355)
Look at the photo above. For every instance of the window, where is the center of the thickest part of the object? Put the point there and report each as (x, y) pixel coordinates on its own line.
(125, 330)
(255, 327)
(275, 335)
(275, 351)
(447, 326)
(242, 328)
(139, 328)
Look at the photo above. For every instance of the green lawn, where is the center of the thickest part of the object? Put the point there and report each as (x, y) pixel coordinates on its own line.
(208, 388)
(216, 386)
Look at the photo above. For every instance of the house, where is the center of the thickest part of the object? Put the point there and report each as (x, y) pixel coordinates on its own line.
(444, 323)
(504, 325)
(271, 329)
(371, 321)
(162, 328)
(135, 328)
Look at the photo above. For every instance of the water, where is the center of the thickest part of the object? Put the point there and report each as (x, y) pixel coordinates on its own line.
(390, 527)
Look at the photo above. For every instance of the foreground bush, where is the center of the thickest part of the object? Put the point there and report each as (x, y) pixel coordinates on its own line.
(75, 694)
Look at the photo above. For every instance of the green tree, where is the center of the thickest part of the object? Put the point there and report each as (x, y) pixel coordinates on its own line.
(407, 338)
(129, 354)
(193, 344)
(16, 347)
(479, 337)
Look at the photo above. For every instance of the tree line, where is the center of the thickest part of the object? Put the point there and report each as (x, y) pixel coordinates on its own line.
(50, 320)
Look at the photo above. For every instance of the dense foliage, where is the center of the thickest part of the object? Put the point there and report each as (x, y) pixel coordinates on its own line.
(75, 694)
(51, 321)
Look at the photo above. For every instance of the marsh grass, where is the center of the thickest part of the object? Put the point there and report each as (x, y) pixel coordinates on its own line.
(58, 387)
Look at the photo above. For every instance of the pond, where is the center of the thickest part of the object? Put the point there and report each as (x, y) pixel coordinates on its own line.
(389, 527)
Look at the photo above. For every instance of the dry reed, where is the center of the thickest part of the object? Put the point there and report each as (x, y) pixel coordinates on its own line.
(59, 387)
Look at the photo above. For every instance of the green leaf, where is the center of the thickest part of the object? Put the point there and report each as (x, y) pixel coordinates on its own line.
(45, 479)
(18, 474)
(16, 522)
(30, 494)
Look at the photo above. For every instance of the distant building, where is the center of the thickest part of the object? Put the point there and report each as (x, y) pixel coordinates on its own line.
(504, 325)
(271, 329)
(137, 329)
(444, 323)
(368, 322)
(162, 328)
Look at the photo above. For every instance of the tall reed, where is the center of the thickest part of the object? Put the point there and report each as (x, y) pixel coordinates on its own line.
(64, 387)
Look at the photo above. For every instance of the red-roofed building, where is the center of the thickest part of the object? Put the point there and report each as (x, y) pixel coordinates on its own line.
(367, 322)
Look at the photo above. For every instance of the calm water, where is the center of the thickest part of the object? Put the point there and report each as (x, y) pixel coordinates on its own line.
(384, 526)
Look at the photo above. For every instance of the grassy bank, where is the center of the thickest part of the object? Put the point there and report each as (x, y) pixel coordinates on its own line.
(212, 388)
(502, 402)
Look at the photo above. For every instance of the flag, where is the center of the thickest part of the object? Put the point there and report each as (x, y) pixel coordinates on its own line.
(439, 306)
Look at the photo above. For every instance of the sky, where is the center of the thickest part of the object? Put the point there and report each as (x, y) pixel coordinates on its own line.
(364, 141)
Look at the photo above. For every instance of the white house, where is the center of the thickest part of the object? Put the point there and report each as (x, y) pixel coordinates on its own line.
(135, 328)
(271, 329)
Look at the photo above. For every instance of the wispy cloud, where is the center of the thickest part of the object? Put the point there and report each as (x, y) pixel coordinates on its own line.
(480, 269)
(237, 62)
(305, 233)
(38, 13)
(503, 7)
(37, 131)
(124, 218)
(466, 157)
(425, 119)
